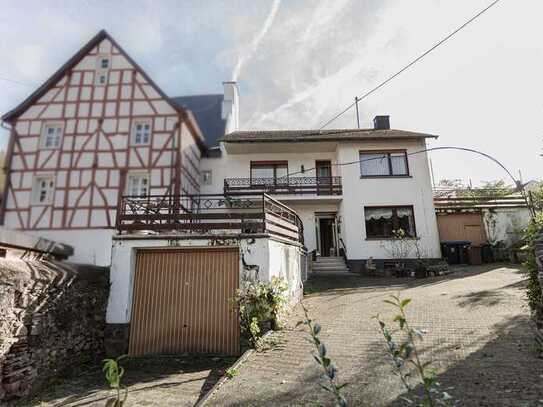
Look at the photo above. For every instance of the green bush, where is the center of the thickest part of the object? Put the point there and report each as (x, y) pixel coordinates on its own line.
(260, 303)
(533, 290)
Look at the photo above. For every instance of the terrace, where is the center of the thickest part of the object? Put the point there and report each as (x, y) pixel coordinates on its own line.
(256, 213)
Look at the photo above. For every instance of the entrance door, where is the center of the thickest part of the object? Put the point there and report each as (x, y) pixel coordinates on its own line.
(324, 177)
(326, 227)
(181, 301)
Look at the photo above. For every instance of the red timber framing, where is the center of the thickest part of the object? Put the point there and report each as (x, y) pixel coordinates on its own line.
(97, 151)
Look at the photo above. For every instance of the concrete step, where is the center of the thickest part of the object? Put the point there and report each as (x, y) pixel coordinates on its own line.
(342, 267)
(327, 259)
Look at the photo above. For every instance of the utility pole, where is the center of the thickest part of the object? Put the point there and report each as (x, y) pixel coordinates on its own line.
(357, 115)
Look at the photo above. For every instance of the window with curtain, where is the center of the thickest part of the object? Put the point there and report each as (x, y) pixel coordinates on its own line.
(383, 164)
(274, 172)
(381, 222)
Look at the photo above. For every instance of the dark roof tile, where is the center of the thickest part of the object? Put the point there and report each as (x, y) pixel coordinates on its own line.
(207, 109)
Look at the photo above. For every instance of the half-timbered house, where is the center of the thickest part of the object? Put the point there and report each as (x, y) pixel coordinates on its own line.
(98, 128)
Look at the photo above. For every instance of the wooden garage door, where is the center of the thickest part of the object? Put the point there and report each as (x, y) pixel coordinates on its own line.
(181, 301)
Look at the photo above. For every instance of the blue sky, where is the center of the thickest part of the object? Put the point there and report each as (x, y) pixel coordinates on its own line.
(482, 90)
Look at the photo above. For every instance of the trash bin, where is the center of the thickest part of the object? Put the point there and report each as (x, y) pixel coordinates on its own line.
(455, 251)
(475, 256)
(487, 254)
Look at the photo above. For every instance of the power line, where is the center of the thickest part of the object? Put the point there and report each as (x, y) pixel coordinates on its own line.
(16, 82)
(368, 93)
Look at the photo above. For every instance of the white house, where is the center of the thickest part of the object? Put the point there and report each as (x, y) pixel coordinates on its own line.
(352, 188)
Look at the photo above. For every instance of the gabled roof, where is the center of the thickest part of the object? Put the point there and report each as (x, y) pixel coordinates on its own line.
(74, 60)
(207, 109)
(298, 136)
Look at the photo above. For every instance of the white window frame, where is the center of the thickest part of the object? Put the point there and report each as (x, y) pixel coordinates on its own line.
(45, 135)
(134, 132)
(101, 71)
(137, 175)
(37, 189)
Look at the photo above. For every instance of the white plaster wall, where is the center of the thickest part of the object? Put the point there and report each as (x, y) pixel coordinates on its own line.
(239, 165)
(272, 258)
(507, 224)
(91, 246)
(357, 193)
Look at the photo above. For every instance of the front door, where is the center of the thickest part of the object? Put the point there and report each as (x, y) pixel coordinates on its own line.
(324, 177)
(326, 227)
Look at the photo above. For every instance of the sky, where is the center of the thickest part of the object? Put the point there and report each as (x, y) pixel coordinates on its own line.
(299, 62)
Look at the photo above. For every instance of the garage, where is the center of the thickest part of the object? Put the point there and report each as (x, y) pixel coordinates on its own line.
(181, 301)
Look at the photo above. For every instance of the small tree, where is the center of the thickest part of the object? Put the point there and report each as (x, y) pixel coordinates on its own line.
(406, 355)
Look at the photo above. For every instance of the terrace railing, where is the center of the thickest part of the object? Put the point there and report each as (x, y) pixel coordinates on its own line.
(208, 214)
(284, 185)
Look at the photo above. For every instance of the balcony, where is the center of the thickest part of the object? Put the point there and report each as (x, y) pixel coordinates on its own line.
(213, 215)
(288, 186)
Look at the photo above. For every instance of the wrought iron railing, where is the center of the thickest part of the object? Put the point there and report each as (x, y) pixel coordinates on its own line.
(285, 185)
(208, 214)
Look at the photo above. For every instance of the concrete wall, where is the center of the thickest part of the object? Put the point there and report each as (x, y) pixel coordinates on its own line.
(261, 257)
(505, 225)
(91, 246)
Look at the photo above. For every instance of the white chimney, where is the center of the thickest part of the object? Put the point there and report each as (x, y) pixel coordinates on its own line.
(230, 106)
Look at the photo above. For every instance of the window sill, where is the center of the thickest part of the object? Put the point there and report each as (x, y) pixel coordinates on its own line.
(384, 176)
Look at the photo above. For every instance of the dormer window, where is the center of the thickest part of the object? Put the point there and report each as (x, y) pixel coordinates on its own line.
(51, 135)
(141, 133)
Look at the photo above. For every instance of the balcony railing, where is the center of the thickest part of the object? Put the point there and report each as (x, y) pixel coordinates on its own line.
(291, 185)
(208, 215)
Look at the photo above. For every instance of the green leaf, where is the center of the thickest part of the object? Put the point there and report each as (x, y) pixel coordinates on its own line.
(326, 361)
(322, 350)
(316, 329)
(390, 303)
(405, 302)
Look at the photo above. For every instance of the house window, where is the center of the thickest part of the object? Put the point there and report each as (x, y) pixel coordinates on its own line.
(101, 78)
(141, 133)
(383, 164)
(207, 177)
(264, 172)
(138, 184)
(382, 222)
(104, 63)
(43, 189)
(51, 136)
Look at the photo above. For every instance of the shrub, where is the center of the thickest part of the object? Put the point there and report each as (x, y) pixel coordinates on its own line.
(324, 361)
(533, 289)
(405, 354)
(260, 303)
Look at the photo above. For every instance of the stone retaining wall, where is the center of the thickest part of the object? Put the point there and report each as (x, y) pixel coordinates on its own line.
(52, 317)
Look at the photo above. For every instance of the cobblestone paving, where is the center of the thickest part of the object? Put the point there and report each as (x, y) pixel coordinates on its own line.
(154, 381)
(478, 334)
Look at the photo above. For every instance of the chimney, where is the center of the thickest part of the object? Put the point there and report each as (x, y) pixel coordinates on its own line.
(230, 106)
(381, 123)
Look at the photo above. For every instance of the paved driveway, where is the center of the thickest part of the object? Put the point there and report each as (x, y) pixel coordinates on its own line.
(478, 333)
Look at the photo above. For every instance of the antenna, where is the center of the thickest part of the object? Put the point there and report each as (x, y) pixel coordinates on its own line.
(357, 115)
